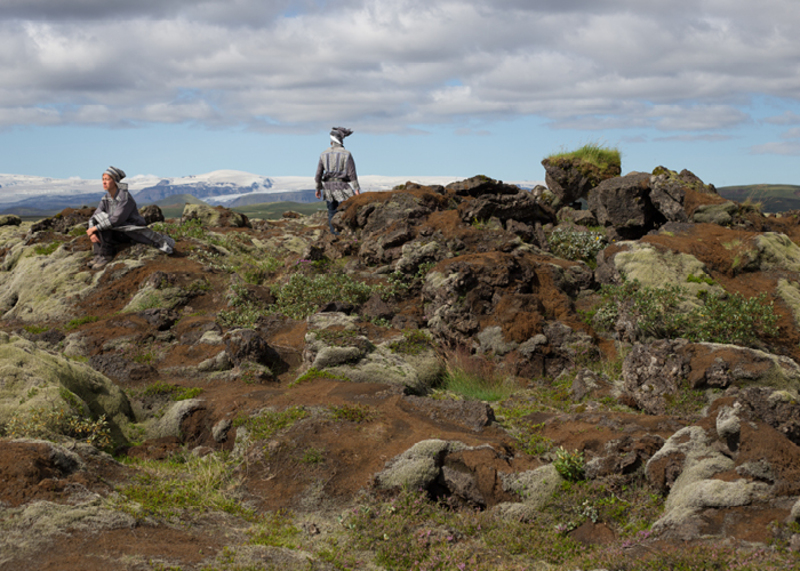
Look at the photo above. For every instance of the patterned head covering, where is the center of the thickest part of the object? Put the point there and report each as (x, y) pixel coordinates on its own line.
(115, 173)
(339, 133)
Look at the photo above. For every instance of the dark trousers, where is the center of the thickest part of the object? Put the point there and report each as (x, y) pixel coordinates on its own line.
(332, 206)
(109, 240)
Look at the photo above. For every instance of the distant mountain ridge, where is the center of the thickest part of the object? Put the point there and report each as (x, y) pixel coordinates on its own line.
(773, 197)
(41, 196)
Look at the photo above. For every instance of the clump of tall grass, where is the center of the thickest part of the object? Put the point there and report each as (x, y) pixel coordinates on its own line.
(596, 154)
(475, 378)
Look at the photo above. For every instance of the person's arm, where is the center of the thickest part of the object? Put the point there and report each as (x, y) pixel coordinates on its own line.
(318, 178)
(100, 212)
(350, 169)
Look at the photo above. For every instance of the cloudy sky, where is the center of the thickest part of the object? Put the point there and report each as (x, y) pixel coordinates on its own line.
(462, 87)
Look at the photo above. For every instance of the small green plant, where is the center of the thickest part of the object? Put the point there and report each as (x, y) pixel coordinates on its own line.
(312, 455)
(35, 329)
(414, 342)
(267, 423)
(400, 284)
(569, 464)
(75, 323)
(530, 438)
(246, 310)
(175, 392)
(691, 278)
(46, 249)
(313, 374)
(353, 413)
(199, 286)
(275, 529)
(574, 245)
(144, 358)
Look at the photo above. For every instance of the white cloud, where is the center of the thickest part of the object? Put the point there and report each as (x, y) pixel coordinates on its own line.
(787, 118)
(788, 148)
(388, 65)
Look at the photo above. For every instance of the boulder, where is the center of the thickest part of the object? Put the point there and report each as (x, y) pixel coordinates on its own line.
(570, 179)
(522, 207)
(481, 185)
(534, 487)
(214, 216)
(624, 203)
(247, 346)
(151, 213)
(466, 475)
(668, 194)
(721, 214)
(10, 220)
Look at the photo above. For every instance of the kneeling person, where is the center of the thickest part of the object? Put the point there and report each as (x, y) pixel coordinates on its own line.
(117, 221)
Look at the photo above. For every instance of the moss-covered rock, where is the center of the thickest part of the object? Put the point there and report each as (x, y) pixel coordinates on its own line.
(34, 380)
(214, 217)
(721, 214)
(654, 267)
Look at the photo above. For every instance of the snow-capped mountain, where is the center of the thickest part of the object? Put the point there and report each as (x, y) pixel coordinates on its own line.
(22, 194)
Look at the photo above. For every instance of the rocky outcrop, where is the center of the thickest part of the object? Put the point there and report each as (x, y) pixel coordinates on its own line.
(570, 179)
(660, 372)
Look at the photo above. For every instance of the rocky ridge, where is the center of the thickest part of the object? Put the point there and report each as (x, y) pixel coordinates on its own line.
(648, 347)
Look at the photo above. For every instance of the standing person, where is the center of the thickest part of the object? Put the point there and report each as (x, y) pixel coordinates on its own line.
(336, 173)
(117, 221)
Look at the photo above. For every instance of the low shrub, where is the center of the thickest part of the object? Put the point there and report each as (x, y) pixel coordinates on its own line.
(303, 295)
(658, 313)
(574, 245)
(569, 464)
(55, 421)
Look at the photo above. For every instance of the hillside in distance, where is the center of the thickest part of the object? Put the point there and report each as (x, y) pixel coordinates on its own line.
(773, 197)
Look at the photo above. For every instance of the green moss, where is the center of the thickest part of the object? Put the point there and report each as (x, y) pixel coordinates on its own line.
(414, 342)
(267, 423)
(314, 374)
(352, 413)
(75, 323)
(46, 249)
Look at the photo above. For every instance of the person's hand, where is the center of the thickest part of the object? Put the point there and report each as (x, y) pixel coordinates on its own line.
(92, 233)
(318, 194)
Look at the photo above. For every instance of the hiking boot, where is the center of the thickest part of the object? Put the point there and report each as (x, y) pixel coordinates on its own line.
(100, 261)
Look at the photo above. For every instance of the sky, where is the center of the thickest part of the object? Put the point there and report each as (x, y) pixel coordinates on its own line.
(181, 87)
